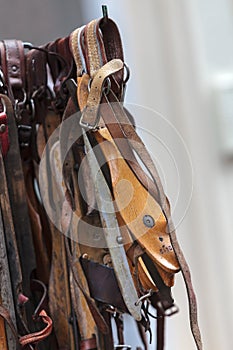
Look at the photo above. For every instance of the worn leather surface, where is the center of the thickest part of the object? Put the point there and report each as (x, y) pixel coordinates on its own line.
(77, 274)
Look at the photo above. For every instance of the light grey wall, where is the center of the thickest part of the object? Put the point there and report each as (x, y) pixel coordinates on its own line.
(38, 21)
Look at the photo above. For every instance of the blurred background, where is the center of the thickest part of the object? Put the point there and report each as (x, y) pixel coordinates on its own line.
(180, 54)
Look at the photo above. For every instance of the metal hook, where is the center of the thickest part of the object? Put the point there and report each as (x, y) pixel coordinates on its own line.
(105, 11)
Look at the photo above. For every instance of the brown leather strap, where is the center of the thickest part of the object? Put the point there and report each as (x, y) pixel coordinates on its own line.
(37, 91)
(120, 328)
(88, 344)
(101, 324)
(4, 313)
(19, 228)
(103, 284)
(15, 68)
(160, 331)
(112, 45)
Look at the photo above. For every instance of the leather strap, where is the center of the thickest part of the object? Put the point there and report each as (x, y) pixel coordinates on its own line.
(88, 344)
(93, 57)
(4, 313)
(37, 337)
(103, 284)
(138, 146)
(74, 46)
(160, 330)
(19, 228)
(90, 115)
(15, 67)
(127, 131)
(95, 313)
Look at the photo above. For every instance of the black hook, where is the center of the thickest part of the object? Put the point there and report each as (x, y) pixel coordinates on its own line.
(105, 11)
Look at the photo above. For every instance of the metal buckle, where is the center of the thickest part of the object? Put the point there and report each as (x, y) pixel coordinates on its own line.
(106, 89)
(88, 126)
(169, 311)
(24, 128)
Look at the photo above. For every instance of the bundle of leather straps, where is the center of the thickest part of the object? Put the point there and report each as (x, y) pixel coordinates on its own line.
(79, 246)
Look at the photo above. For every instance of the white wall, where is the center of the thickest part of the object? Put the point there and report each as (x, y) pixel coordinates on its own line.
(174, 49)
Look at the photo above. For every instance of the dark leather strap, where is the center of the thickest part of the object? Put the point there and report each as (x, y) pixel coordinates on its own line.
(101, 324)
(103, 284)
(160, 330)
(13, 66)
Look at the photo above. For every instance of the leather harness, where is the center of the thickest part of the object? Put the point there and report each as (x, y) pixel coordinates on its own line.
(106, 263)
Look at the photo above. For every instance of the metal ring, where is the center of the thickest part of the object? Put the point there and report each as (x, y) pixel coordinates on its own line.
(107, 88)
(23, 101)
(2, 78)
(127, 73)
(89, 84)
(3, 104)
(143, 297)
(27, 45)
(32, 108)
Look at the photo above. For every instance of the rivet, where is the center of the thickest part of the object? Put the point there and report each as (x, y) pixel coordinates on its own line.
(14, 68)
(119, 239)
(148, 221)
(2, 128)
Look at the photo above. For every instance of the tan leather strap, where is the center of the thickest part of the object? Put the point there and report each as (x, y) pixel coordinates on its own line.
(94, 61)
(90, 114)
(74, 45)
